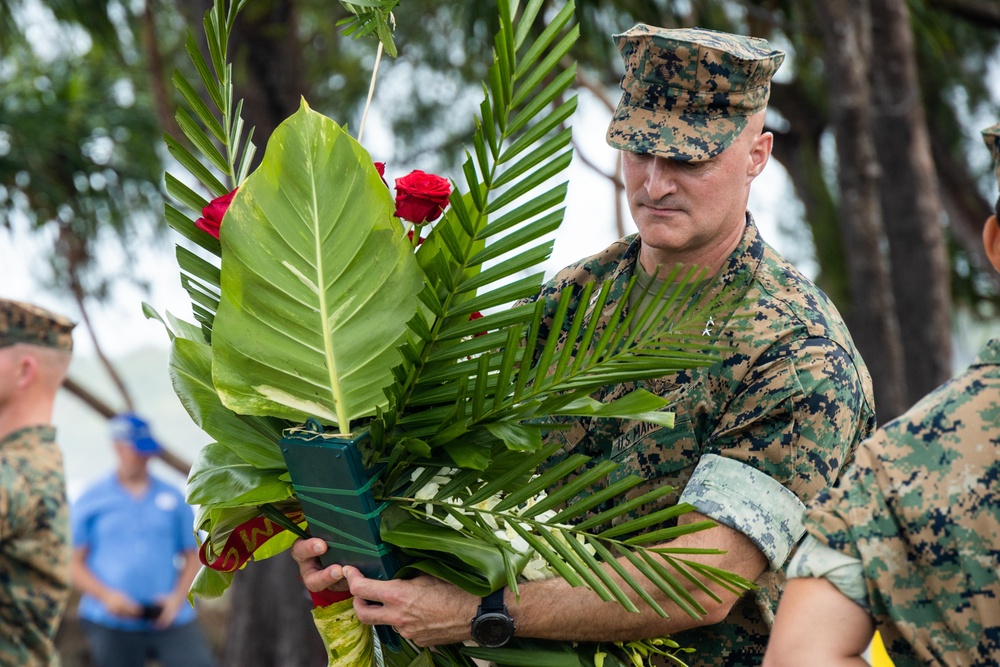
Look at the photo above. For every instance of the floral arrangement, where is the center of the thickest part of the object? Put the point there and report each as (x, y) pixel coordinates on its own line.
(400, 328)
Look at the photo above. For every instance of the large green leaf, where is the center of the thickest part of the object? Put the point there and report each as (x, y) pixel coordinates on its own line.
(442, 547)
(222, 479)
(318, 281)
(253, 439)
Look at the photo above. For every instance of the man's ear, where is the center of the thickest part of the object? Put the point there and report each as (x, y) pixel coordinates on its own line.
(760, 151)
(991, 241)
(27, 370)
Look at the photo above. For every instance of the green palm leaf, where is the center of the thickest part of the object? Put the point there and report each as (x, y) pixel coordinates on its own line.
(216, 154)
(305, 328)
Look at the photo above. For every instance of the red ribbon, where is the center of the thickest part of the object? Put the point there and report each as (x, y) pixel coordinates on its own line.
(326, 597)
(242, 543)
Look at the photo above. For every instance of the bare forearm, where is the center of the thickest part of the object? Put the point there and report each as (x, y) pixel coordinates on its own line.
(430, 611)
(553, 609)
(808, 604)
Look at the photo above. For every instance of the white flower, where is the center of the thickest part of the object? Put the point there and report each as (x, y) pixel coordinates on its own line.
(428, 491)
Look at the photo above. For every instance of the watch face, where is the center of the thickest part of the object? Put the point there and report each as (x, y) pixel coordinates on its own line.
(492, 630)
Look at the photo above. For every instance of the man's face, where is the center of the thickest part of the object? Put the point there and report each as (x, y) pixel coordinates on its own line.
(684, 210)
(130, 461)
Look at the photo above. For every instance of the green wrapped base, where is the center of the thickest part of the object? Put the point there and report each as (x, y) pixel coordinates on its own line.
(334, 490)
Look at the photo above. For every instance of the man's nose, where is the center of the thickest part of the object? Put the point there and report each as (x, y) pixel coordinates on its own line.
(661, 179)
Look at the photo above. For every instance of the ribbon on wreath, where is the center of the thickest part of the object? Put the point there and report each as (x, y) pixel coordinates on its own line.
(245, 539)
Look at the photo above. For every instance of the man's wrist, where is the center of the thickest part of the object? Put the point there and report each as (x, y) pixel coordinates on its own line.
(493, 626)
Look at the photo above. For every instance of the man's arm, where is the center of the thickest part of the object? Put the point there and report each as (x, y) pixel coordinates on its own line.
(431, 612)
(172, 603)
(818, 625)
(83, 580)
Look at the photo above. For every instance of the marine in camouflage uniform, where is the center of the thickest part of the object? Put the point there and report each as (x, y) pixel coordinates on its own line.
(758, 433)
(912, 534)
(771, 425)
(34, 520)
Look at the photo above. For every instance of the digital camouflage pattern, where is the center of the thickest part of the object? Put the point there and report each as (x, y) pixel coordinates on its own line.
(26, 323)
(921, 509)
(687, 92)
(34, 547)
(791, 399)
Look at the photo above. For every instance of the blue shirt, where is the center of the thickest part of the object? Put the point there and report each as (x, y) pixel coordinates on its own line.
(132, 545)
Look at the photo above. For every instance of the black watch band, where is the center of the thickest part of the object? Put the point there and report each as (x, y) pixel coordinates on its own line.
(493, 627)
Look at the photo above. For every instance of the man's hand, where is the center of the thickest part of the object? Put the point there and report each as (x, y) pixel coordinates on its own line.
(171, 605)
(120, 604)
(425, 610)
(317, 578)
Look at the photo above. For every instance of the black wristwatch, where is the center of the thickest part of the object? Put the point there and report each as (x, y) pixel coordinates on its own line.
(493, 627)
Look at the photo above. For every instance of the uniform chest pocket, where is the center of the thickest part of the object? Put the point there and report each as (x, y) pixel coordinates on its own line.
(651, 452)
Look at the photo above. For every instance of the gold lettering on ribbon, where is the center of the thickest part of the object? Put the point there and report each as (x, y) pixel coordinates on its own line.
(250, 541)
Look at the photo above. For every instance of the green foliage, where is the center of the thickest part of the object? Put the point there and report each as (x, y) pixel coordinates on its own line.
(303, 328)
(75, 159)
(371, 17)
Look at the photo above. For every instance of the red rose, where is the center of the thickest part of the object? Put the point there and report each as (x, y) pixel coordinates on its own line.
(380, 168)
(475, 315)
(211, 223)
(409, 235)
(421, 197)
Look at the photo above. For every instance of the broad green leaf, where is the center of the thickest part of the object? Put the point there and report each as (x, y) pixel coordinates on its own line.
(305, 327)
(424, 536)
(349, 643)
(253, 439)
(219, 477)
(209, 584)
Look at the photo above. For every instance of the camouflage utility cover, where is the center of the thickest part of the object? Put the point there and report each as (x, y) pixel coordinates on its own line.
(34, 547)
(791, 399)
(26, 323)
(687, 92)
(920, 508)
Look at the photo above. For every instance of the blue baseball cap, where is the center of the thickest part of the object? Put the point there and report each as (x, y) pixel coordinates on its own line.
(129, 428)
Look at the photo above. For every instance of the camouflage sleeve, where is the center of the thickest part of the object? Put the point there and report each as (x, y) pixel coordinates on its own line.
(747, 500)
(12, 497)
(795, 415)
(815, 559)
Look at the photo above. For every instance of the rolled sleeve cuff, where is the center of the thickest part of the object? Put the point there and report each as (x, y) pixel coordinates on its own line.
(815, 559)
(747, 500)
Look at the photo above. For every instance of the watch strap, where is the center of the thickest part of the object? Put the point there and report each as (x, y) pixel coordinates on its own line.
(493, 603)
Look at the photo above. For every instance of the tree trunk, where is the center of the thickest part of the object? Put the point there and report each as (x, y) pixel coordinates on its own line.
(270, 622)
(847, 33)
(797, 149)
(911, 206)
(268, 65)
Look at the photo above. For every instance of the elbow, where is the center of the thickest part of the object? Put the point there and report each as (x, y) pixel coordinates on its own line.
(715, 612)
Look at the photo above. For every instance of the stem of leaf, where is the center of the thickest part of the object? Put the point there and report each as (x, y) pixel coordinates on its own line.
(371, 92)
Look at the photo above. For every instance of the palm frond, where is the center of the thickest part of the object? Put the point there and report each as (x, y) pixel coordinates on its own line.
(518, 151)
(217, 156)
(574, 544)
(371, 17)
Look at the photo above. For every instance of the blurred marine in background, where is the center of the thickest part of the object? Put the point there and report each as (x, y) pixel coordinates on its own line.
(35, 350)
